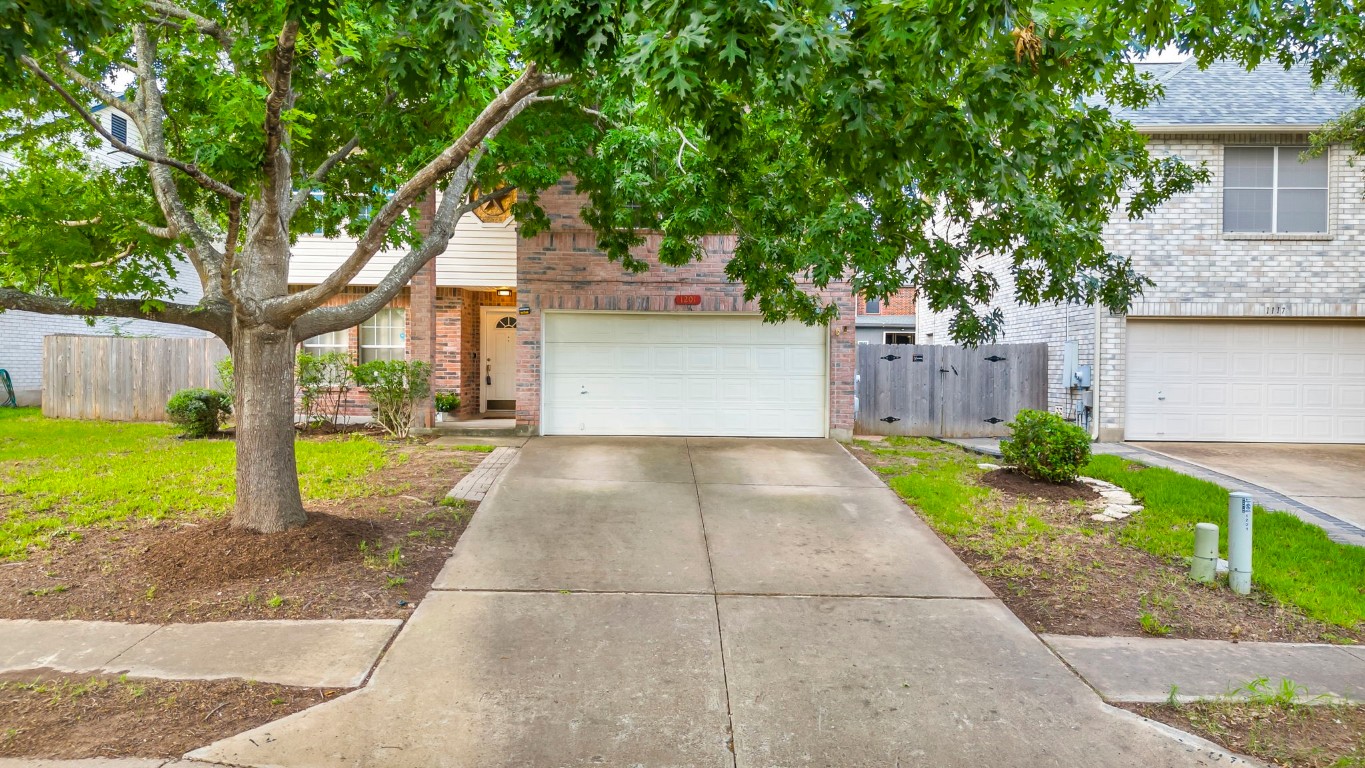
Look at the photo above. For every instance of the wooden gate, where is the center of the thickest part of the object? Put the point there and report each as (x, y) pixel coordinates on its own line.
(941, 391)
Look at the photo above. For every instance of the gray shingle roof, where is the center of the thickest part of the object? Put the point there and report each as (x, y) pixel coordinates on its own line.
(1227, 94)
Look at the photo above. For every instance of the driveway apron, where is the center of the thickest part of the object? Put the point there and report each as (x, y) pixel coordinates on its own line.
(707, 602)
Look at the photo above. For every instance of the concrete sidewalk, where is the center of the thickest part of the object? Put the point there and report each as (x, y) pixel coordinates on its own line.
(323, 654)
(726, 603)
(1141, 669)
(1338, 529)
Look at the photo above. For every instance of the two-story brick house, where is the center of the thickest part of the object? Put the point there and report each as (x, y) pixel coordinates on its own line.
(548, 330)
(886, 322)
(1255, 328)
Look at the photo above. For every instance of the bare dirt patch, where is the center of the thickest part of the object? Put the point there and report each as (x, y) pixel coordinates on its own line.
(370, 557)
(1063, 573)
(1018, 484)
(74, 716)
(1293, 736)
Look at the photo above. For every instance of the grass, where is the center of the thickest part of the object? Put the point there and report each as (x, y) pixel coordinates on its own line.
(1292, 561)
(1271, 724)
(58, 476)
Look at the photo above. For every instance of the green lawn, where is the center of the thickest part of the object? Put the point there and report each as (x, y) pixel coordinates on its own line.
(1292, 561)
(59, 475)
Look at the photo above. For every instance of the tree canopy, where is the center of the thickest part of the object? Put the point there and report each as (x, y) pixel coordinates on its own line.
(886, 143)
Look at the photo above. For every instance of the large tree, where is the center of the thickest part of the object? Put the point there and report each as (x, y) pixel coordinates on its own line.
(885, 143)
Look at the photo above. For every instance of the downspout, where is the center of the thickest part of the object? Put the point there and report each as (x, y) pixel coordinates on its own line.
(1095, 380)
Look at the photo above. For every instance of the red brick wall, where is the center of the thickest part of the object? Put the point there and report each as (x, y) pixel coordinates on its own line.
(902, 303)
(562, 269)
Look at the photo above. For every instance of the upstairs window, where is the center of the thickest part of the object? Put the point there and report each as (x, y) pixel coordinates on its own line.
(118, 125)
(872, 307)
(1268, 189)
(336, 341)
(384, 336)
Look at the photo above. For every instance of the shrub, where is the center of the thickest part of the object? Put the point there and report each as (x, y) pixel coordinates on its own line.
(226, 381)
(395, 387)
(1045, 446)
(446, 402)
(198, 412)
(323, 381)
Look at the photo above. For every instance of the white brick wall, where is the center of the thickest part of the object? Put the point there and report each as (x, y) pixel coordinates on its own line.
(1200, 272)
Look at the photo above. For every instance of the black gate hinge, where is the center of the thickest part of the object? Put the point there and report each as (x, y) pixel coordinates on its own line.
(889, 419)
(891, 357)
(993, 420)
(995, 359)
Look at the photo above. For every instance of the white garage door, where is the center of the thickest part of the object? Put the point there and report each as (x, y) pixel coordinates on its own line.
(1289, 381)
(609, 373)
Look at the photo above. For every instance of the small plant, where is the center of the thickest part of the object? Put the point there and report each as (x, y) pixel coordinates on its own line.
(447, 402)
(275, 601)
(395, 387)
(227, 381)
(392, 582)
(198, 412)
(395, 557)
(1044, 446)
(1173, 697)
(150, 594)
(323, 381)
(1152, 625)
(1260, 691)
(45, 591)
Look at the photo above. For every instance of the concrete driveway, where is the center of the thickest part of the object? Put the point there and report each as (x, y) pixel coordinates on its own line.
(726, 603)
(1326, 477)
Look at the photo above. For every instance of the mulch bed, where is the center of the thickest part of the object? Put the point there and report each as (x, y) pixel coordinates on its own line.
(1313, 736)
(1082, 580)
(61, 716)
(337, 566)
(1018, 484)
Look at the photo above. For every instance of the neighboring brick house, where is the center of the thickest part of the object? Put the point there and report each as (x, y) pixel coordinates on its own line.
(1255, 329)
(887, 322)
(549, 330)
(21, 333)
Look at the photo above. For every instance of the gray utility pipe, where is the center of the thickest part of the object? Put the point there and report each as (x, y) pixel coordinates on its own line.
(1239, 542)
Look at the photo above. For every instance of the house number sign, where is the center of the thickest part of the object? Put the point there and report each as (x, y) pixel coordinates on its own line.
(687, 300)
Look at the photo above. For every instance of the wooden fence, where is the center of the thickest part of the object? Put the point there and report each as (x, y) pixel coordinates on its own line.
(123, 378)
(941, 391)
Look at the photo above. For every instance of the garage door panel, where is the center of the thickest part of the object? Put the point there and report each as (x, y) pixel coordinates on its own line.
(1290, 381)
(662, 374)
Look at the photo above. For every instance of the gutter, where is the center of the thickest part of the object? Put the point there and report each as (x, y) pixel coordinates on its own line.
(1228, 128)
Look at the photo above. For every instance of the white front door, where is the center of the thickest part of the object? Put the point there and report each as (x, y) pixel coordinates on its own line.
(498, 379)
(618, 373)
(1264, 381)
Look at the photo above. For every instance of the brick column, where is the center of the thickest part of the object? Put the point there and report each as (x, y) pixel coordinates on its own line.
(422, 309)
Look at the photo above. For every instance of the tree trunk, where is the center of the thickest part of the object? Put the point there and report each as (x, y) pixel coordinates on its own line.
(268, 497)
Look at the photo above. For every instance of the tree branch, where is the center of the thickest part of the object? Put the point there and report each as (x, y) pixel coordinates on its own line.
(201, 178)
(499, 112)
(168, 232)
(326, 166)
(215, 320)
(106, 262)
(168, 11)
(98, 90)
(202, 256)
(81, 222)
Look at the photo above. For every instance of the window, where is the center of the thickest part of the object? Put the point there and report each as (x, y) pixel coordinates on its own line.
(1267, 189)
(898, 338)
(873, 307)
(382, 337)
(335, 341)
(118, 125)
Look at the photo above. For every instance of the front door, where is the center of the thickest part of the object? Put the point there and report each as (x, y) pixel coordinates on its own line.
(498, 390)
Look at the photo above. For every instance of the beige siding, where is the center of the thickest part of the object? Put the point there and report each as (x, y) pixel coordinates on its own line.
(479, 256)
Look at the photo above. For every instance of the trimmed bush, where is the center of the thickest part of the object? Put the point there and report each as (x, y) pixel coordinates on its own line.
(395, 387)
(447, 402)
(198, 412)
(1045, 446)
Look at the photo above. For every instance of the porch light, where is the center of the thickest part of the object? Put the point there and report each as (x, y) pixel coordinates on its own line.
(504, 291)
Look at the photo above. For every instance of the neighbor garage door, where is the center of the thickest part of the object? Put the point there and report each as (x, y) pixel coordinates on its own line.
(1289, 381)
(609, 373)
